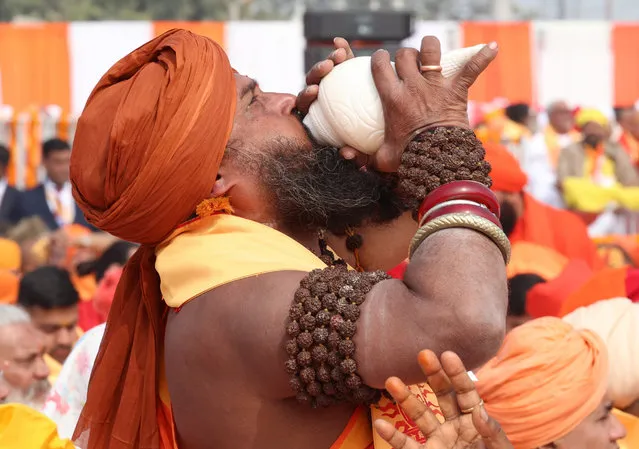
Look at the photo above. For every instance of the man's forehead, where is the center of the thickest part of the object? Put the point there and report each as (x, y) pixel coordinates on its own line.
(23, 338)
(244, 82)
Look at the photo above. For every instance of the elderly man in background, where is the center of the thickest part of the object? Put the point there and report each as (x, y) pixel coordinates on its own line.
(603, 162)
(540, 162)
(547, 388)
(597, 177)
(22, 350)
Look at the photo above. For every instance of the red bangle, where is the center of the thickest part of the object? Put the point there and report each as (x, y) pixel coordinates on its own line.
(460, 190)
(465, 208)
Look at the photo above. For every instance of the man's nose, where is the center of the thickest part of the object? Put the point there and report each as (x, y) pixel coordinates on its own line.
(65, 336)
(281, 103)
(41, 370)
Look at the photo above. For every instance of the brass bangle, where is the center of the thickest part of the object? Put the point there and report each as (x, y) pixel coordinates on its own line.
(463, 220)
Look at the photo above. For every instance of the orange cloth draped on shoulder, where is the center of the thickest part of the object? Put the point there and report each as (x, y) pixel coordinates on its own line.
(146, 151)
(545, 380)
(604, 284)
(529, 258)
(558, 229)
(541, 224)
(212, 251)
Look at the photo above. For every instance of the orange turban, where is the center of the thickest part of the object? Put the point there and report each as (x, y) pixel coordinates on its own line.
(146, 152)
(505, 171)
(10, 255)
(546, 378)
(530, 258)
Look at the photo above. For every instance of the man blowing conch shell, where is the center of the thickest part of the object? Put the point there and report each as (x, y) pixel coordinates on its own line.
(234, 319)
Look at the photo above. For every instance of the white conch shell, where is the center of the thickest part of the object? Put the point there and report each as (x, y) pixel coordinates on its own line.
(348, 110)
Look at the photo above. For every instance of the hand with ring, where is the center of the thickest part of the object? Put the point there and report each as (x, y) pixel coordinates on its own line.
(466, 425)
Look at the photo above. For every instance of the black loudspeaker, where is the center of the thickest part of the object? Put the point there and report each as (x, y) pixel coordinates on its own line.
(315, 53)
(358, 25)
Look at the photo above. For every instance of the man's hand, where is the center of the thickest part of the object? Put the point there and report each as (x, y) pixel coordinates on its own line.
(456, 393)
(415, 96)
(342, 53)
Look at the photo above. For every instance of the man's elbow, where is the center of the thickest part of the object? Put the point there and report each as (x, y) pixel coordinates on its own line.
(479, 338)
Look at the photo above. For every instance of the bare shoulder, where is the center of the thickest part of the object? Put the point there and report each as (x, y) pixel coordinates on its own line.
(237, 329)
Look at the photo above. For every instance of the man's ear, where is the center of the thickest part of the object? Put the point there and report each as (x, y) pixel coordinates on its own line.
(223, 183)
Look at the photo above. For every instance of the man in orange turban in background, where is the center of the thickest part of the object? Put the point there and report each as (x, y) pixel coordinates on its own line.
(226, 192)
(526, 219)
(547, 388)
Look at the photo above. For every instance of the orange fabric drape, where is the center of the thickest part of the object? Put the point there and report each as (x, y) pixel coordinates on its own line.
(558, 229)
(35, 66)
(625, 48)
(510, 74)
(212, 30)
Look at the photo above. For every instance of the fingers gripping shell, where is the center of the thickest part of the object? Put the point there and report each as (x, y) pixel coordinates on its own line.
(348, 110)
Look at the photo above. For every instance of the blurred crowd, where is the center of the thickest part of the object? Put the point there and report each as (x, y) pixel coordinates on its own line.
(57, 280)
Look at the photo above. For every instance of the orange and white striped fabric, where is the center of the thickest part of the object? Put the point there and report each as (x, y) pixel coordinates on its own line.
(590, 63)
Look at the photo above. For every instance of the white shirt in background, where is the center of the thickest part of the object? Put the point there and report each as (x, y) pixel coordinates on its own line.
(62, 198)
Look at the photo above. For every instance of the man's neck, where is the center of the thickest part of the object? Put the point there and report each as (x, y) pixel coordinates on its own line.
(56, 185)
(310, 240)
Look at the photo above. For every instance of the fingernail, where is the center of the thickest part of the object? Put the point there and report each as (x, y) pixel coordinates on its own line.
(333, 53)
(483, 414)
(493, 45)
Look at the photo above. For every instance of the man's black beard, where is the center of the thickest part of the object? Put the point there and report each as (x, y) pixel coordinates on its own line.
(319, 190)
(508, 217)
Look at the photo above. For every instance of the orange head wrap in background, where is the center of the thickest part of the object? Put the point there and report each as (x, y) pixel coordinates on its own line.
(548, 298)
(505, 172)
(10, 255)
(530, 258)
(146, 152)
(546, 378)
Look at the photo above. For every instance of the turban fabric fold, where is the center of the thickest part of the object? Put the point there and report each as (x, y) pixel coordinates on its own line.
(616, 321)
(546, 378)
(146, 152)
(505, 172)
